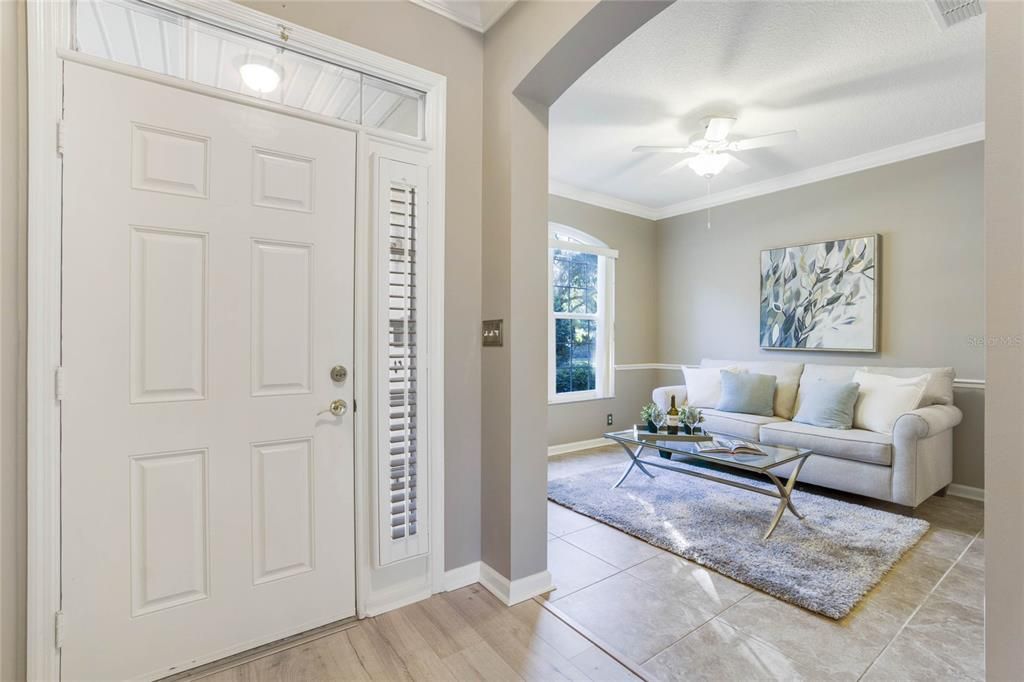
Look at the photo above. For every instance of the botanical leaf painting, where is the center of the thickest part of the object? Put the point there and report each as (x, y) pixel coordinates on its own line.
(820, 296)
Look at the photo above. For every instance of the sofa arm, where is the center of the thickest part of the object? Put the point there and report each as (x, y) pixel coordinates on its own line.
(922, 453)
(662, 396)
(926, 421)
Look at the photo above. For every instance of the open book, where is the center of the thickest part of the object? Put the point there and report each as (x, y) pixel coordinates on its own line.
(732, 447)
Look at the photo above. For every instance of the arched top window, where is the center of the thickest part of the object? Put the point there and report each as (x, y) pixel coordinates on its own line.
(563, 233)
(581, 302)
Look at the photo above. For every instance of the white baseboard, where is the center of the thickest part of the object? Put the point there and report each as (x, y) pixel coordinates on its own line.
(578, 445)
(462, 576)
(393, 599)
(967, 491)
(514, 591)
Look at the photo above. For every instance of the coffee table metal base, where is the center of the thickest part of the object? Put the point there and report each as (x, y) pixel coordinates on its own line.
(783, 493)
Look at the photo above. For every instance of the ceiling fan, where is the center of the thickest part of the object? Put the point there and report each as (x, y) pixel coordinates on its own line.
(707, 156)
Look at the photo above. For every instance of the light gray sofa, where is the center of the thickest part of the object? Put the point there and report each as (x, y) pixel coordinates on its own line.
(906, 467)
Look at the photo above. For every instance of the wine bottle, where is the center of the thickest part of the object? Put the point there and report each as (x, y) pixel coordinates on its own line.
(672, 418)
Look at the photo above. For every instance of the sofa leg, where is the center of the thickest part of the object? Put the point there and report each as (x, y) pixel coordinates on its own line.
(942, 493)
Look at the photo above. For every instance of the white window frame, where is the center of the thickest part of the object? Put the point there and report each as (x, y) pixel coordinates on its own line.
(604, 363)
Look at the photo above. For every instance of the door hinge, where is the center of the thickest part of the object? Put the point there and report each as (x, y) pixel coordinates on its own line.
(58, 629)
(60, 137)
(355, 405)
(58, 383)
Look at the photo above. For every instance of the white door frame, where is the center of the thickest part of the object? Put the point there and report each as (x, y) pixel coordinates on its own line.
(49, 33)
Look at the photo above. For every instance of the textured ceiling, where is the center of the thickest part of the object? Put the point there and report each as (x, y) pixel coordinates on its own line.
(852, 77)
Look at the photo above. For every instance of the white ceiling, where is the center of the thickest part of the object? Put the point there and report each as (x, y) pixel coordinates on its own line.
(862, 82)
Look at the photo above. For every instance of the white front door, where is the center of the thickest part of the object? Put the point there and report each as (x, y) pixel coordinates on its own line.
(207, 505)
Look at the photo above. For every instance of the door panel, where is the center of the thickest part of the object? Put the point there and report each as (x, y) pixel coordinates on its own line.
(207, 506)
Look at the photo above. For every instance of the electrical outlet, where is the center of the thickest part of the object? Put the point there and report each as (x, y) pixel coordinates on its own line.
(609, 419)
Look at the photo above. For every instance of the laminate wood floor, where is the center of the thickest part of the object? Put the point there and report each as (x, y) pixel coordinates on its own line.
(465, 634)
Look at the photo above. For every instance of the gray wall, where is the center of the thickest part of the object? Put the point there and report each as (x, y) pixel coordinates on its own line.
(636, 341)
(930, 215)
(531, 56)
(1004, 273)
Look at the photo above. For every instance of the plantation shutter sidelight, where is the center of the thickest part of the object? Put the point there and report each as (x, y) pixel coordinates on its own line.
(403, 465)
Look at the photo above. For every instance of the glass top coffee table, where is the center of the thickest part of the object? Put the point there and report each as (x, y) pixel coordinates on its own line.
(636, 443)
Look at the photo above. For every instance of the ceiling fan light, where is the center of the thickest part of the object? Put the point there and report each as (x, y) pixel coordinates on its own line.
(261, 76)
(708, 164)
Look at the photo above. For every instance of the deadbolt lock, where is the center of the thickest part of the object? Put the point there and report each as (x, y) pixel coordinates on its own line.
(339, 373)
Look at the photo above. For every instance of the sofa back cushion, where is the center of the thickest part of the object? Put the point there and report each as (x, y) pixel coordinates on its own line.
(747, 393)
(787, 380)
(827, 404)
(704, 385)
(938, 391)
(883, 398)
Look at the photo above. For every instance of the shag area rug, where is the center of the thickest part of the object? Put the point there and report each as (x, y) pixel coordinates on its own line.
(825, 563)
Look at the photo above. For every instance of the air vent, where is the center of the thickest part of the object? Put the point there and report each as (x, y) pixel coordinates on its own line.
(950, 12)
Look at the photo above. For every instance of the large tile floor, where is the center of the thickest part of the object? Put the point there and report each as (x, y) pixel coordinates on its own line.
(677, 620)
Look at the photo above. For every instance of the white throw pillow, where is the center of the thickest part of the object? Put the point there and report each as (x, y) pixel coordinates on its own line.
(704, 385)
(882, 399)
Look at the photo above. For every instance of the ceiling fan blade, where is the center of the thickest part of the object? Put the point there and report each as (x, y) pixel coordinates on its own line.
(717, 128)
(769, 140)
(670, 150)
(735, 164)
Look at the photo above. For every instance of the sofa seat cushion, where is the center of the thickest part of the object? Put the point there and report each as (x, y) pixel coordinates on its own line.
(736, 424)
(856, 445)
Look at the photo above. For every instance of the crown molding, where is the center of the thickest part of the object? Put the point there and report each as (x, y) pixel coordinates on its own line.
(560, 189)
(901, 152)
(497, 17)
(476, 23)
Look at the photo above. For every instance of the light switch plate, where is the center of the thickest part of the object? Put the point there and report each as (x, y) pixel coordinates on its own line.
(492, 335)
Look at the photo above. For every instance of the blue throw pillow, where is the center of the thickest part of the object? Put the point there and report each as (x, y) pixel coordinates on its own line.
(747, 393)
(827, 404)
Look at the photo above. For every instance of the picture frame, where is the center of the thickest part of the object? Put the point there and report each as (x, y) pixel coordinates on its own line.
(821, 296)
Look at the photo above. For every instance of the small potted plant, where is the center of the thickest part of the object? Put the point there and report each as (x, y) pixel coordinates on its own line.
(652, 415)
(691, 419)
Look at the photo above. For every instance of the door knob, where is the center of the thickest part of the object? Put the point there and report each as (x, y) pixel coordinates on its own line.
(337, 408)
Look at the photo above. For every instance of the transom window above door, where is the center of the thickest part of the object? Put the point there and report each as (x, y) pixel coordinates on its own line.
(581, 300)
(141, 35)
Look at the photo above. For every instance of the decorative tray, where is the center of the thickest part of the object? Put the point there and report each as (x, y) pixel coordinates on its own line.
(641, 433)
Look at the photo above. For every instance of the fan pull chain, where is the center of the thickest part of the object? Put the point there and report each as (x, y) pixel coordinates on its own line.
(709, 202)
